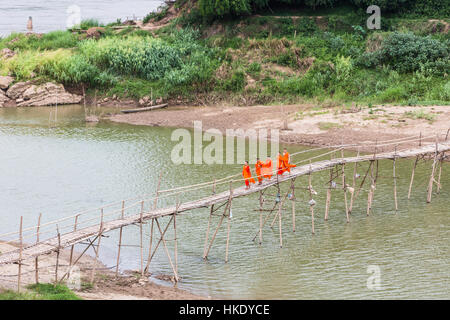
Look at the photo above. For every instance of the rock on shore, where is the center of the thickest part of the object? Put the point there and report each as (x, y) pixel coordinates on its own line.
(28, 94)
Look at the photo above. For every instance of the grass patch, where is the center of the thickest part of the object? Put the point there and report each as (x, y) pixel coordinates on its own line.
(420, 114)
(41, 291)
(325, 126)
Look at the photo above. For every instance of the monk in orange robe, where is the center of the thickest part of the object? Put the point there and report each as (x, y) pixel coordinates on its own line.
(247, 174)
(286, 161)
(280, 164)
(267, 169)
(258, 168)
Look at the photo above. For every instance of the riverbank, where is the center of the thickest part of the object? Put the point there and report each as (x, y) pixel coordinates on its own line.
(128, 286)
(308, 124)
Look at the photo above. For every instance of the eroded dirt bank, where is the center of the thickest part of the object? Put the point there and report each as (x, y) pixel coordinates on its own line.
(128, 286)
(308, 125)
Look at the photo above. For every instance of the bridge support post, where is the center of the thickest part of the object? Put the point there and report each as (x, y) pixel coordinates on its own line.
(344, 187)
(441, 162)
(229, 221)
(57, 255)
(19, 276)
(120, 238)
(159, 241)
(98, 247)
(311, 205)
(36, 260)
(279, 223)
(412, 176)
(352, 195)
(73, 246)
(141, 237)
(433, 169)
(261, 202)
(167, 250)
(328, 200)
(371, 189)
(293, 203)
(209, 222)
(395, 180)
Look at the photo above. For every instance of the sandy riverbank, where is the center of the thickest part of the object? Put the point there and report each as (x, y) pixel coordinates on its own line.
(306, 124)
(106, 287)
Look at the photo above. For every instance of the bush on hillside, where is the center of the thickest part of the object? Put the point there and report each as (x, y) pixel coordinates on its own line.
(407, 52)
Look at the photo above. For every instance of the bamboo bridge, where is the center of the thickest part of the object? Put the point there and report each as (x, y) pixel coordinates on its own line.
(98, 221)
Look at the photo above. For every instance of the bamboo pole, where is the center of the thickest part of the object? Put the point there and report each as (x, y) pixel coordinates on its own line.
(36, 260)
(175, 236)
(328, 200)
(430, 183)
(311, 207)
(293, 204)
(209, 221)
(57, 255)
(369, 196)
(141, 245)
(412, 176)
(98, 248)
(167, 250)
(441, 162)
(395, 181)
(160, 240)
(280, 209)
(260, 216)
(352, 195)
(120, 238)
(229, 222)
(19, 276)
(344, 187)
(218, 225)
(155, 204)
(73, 246)
(79, 257)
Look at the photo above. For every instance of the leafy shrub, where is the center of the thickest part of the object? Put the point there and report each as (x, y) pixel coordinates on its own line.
(406, 52)
(88, 23)
(235, 83)
(394, 94)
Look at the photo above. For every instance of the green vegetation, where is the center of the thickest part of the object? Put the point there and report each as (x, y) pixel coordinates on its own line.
(310, 53)
(41, 291)
(212, 9)
(420, 114)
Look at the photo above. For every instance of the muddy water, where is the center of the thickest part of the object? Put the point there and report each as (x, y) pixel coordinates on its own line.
(59, 167)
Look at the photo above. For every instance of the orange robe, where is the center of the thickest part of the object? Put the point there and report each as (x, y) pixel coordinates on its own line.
(267, 169)
(258, 167)
(280, 165)
(286, 164)
(247, 175)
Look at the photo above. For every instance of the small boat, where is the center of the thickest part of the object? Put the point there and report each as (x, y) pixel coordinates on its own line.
(159, 106)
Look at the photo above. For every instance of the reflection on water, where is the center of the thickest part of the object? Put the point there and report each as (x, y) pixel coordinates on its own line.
(67, 166)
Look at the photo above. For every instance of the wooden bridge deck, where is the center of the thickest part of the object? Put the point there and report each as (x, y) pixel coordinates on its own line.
(71, 238)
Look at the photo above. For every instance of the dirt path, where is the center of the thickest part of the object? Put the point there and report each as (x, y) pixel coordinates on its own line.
(306, 124)
(106, 287)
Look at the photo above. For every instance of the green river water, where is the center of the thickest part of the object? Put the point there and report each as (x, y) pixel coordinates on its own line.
(62, 167)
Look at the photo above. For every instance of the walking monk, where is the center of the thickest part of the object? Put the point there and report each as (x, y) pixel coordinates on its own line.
(280, 164)
(258, 167)
(267, 169)
(246, 173)
(286, 161)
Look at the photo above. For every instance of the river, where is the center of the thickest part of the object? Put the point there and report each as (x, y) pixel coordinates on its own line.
(53, 15)
(58, 168)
